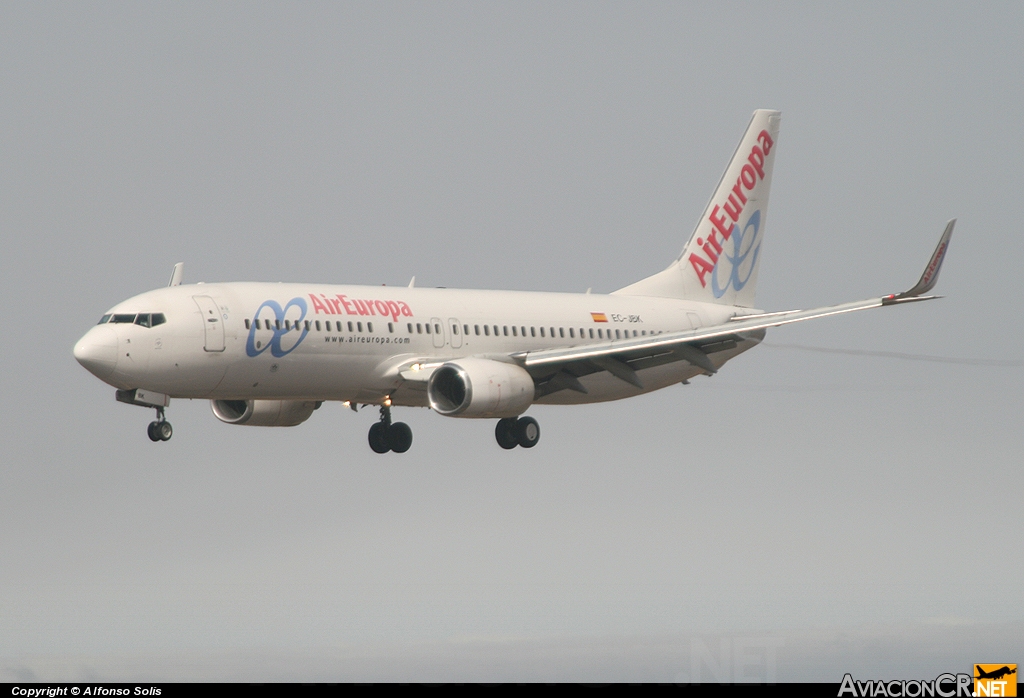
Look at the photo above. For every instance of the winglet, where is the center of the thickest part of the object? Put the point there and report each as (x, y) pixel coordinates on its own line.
(176, 274)
(931, 271)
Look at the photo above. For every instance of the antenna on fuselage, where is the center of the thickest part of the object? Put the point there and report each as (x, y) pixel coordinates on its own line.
(412, 282)
(176, 274)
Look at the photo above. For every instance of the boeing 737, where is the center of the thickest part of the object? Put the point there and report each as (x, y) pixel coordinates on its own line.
(270, 354)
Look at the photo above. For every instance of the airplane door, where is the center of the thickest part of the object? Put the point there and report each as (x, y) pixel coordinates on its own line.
(212, 323)
(456, 335)
(694, 319)
(437, 332)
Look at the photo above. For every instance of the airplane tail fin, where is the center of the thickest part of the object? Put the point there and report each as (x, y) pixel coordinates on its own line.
(719, 263)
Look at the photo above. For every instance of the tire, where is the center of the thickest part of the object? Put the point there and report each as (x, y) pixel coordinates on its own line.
(164, 430)
(151, 430)
(378, 438)
(527, 432)
(505, 433)
(399, 437)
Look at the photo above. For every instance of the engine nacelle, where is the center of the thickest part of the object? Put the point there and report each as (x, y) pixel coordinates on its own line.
(480, 388)
(263, 413)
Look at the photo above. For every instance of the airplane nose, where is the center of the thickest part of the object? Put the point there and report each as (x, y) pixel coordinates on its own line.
(97, 351)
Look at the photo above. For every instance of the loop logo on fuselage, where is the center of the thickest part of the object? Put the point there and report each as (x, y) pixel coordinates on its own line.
(284, 328)
(735, 266)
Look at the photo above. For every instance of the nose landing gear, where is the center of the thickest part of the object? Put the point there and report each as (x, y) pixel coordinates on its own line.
(511, 432)
(161, 429)
(386, 436)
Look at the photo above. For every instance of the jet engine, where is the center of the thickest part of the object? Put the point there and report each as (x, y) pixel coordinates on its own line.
(473, 387)
(263, 413)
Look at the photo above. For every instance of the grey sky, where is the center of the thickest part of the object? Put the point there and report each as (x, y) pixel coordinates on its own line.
(796, 495)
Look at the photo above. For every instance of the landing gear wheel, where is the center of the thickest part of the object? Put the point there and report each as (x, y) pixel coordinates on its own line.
(399, 437)
(378, 438)
(527, 432)
(505, 433)
(159, 431)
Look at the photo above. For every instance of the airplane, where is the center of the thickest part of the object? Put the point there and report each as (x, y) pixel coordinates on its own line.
(995, 674)
(269, 354)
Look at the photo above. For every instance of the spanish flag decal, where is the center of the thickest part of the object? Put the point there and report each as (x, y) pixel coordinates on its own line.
(599, 317)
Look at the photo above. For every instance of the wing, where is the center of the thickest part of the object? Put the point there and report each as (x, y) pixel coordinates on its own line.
(560, 368)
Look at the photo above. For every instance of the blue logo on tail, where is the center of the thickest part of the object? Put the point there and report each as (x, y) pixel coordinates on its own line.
(742, 259)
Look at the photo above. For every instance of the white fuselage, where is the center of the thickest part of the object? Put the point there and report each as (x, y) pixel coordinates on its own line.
(251, 341)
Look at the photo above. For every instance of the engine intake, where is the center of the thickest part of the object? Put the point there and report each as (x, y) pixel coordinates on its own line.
(263, 413)
(480, 388)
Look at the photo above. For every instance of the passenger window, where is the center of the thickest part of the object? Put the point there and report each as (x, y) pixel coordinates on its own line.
(465, 329)
(349, 325)
(410, 327)
(476, 330)
(504, 330)
(600, 333)
(552, 333)
(437, 329)
(307, 325)
(455, 329)
(523, 331)
(287, 325)
(561, 332)
(246, 323)
(514, 331)
(317, 325)
(591, 332)
(277, 324)
(617, 335)
(533, 331)
(487, 330)
(104, 320)
(541, 331)
(572, 333)
(391, 328)
(359, 326)
(495, 330)
(369, 327)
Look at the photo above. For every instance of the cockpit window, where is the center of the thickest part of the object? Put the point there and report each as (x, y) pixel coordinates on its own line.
(141, 319)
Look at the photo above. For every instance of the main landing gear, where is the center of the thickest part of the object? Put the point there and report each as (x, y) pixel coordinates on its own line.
(161, 429)
(385, 436)
(511, 432)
